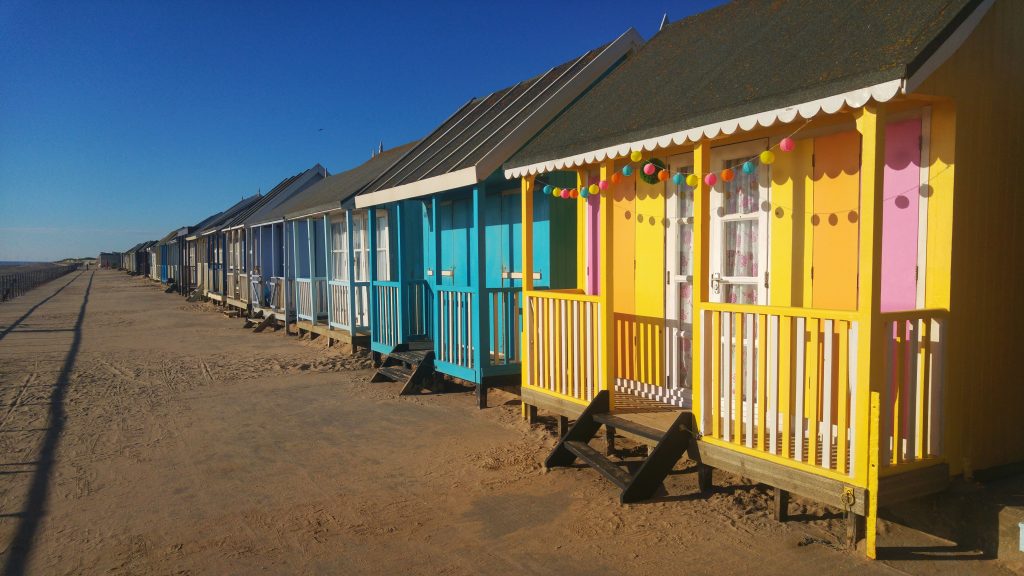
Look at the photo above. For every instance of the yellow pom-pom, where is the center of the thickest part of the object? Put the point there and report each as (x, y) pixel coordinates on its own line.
(594, 189)
(692, 180)
(636, 156)
(767, 157)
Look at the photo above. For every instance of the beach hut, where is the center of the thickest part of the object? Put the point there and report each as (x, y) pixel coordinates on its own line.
(445, 266)
(239, 285)
(329, 258)
(794, 210)
(267, 248)
(193, 257)
(206, 249)
(218, 250)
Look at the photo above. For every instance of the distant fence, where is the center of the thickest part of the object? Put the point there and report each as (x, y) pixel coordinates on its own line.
(14, 284)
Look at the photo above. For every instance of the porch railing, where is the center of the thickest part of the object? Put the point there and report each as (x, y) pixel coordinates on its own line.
(387, 311)
(455, 326)
(310, 298)
(911, 419)
(340, 316)
(232, 289)
(276, 298)
(420, 308)
(563, 344)
(243, 288)
(782, 382)
(503, 305)
(319, 298)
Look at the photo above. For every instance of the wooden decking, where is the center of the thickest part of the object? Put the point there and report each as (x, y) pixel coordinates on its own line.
(360, 339)
(893, 488)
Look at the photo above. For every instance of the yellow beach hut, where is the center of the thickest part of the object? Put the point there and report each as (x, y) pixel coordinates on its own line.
(793, 251)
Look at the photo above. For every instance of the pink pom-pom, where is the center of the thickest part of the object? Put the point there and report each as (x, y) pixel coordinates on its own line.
(710, 179)
(649, 168)
(603, 184)
(787, 144)
(565, 194)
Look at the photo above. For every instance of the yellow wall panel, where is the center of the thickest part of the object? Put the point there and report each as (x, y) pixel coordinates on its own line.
(790, 174)
(623, 288)
(649, 280)
(836, 205)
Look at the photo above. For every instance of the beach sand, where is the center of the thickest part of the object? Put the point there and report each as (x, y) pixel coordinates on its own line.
(141, 434)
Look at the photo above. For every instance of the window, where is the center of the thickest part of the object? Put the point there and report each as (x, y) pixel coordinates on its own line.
(383, 234)
(339, 249)
(360, 248)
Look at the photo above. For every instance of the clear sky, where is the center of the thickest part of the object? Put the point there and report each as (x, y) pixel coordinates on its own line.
(120, 121)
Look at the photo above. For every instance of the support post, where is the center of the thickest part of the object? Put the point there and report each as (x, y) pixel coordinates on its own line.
(328, 270)
(310, 251)
(526, 338)
(870, 350)
(396, 252)
(563, 426)
(350, 263)
(435, 279)
(781, 508)
(701, 249)
(606, 296)
(371, 257)
(478, 284)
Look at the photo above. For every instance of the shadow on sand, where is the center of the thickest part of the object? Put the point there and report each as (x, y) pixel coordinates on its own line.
(39, 490)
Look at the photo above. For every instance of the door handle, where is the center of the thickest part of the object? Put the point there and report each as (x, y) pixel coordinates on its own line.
(716, 283)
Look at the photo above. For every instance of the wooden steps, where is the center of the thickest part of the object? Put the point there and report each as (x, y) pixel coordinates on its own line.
(411, 363)
(671, 444)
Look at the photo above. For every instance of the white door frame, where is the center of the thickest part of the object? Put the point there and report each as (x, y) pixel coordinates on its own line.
(675, 331)
(716, 280)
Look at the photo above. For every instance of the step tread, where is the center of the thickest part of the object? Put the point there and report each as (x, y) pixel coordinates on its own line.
(599, 462)
(410, 357)
(395, 373)
(620, 423)
(421, 345)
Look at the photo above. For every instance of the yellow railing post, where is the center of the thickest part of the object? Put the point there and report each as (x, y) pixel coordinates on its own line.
(606, 299)
(526, 204)
(870, 348)
(701, 202)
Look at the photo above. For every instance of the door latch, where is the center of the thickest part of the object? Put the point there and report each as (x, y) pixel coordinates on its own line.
(716, 283)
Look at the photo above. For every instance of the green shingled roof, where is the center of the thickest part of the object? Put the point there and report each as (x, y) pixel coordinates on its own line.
(746, 57)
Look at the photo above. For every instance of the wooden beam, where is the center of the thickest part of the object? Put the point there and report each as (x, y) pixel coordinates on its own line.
(870, 350)
(701, 227)
(606, 293)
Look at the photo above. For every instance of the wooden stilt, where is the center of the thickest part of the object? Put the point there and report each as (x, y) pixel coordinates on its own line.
(609, 436)
(781, 508)
(563, 426)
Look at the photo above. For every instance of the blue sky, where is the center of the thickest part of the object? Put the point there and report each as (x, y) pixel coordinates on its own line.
(122, 120)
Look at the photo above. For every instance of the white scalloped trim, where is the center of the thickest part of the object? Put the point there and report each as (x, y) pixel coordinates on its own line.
(830, 105)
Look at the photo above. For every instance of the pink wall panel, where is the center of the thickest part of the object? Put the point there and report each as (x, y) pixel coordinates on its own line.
(900, 215)
(593, 244)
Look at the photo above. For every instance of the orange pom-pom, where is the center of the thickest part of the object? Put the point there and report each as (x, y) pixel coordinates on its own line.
(616, 178)
(728, 175)
(663, 175)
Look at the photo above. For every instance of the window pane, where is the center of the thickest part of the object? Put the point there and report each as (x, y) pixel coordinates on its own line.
(740, 293)
(741, 248)
(741, 196)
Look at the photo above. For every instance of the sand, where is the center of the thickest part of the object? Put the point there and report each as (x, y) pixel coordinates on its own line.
(140, 434)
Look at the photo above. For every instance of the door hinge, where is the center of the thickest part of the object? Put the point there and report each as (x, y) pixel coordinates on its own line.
(812, 272)
(920, 142)
(917, 272)
(812, 160)
(766, 280)
(668, 277)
